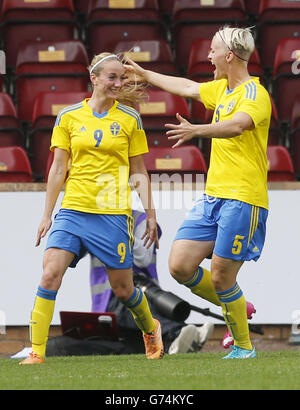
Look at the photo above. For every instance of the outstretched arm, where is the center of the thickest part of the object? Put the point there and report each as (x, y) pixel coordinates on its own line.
(174, 85)
(184, 131)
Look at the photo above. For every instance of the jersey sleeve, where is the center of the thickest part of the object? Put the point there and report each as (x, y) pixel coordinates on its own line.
(60, 135)
(208, 92)
(258, 106)
(138, 141)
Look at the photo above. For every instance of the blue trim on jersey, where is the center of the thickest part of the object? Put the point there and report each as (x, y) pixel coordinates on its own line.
(248, 90)
(132, 112)
(65, 110)
(96, 114)
(229, 91)
(251, 91)
(255, 90)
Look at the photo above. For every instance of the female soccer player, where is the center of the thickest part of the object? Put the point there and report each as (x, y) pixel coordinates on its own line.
(105, 142)
(230, 220)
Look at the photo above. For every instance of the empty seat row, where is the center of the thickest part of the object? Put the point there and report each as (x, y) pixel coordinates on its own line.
(109, 21)
(184, 160)
(276, 19)
(52, 20)
(26, 21)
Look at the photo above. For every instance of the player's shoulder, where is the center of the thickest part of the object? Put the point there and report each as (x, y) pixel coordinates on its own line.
(215, 84)
(254, 90)
(129, 113)
(65, 112)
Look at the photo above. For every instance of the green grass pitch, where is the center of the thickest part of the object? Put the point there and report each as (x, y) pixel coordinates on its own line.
(203, 371)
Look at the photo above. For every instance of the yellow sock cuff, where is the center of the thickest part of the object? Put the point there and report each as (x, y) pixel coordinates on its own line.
(139, 308)
(201, 284)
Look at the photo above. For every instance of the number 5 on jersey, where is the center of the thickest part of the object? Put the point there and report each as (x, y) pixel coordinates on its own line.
(237, 244)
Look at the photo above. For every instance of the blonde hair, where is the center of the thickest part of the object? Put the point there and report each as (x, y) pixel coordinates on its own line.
(239, 40)
(132, 93)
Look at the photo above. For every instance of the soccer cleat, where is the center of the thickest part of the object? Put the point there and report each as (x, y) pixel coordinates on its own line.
(186, 341)
(228, 340)
(33, 358)
(239, 353)
(191, 339)
(153, 343)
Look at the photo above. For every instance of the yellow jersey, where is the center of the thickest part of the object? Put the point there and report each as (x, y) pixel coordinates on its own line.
(100, 146)
(239, 165)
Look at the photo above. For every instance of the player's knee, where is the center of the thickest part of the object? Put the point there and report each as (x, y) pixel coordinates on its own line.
(51, 279)
(122, 293)
(217, 283)
(178, 271)
(219, 279)
(52, 275)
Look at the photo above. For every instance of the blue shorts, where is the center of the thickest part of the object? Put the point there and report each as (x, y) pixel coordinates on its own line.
(108, 237)
(238, 228)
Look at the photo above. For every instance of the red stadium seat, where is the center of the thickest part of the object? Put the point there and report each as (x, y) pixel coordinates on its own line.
(252, 7)
(200, 69)
(185, 159)
(24, 20)
(14, 165)
(195, 19)
(81, 6)
(49, 66)
(254, 65)
(45, 109)
(277, 19)
(286, 79)
(11, 132)
(166, 6)
(109, 22)
(280, 164)
(161, 108)
(155, 55)
(295, 135)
